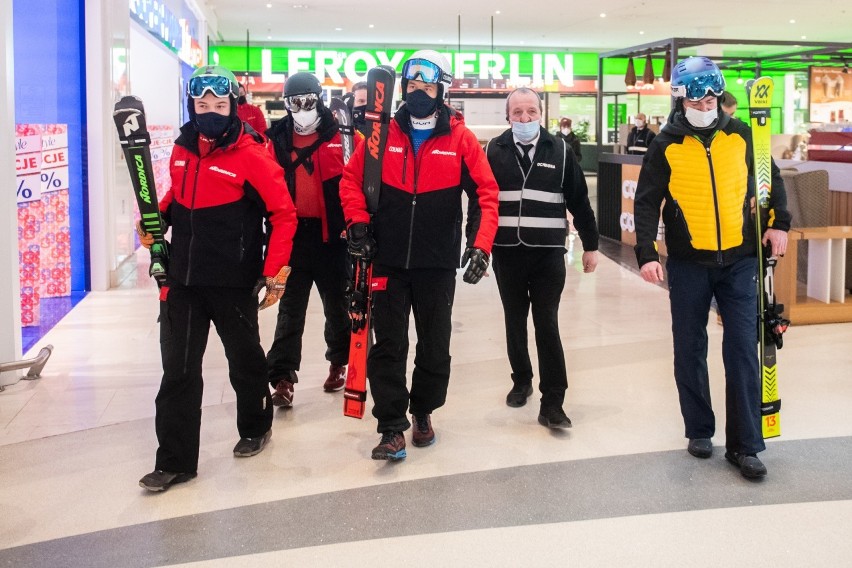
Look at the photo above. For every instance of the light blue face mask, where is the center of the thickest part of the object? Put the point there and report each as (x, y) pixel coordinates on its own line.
(525, 131)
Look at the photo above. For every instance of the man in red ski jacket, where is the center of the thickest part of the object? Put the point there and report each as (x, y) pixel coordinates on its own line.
(250, 113)
(414, 238)
(224, 184)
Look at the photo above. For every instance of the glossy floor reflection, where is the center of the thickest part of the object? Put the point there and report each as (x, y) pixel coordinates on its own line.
(496, 489)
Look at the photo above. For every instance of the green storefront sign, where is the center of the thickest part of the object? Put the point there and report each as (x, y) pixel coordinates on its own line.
(350, 64)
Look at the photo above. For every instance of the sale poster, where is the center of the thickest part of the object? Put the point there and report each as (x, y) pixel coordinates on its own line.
(28, 165)
(55, 245)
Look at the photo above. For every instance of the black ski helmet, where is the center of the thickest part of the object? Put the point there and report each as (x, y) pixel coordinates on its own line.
(302, 84)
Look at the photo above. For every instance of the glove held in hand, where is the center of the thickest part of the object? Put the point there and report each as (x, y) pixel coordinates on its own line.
(477, 263)
(275, 286)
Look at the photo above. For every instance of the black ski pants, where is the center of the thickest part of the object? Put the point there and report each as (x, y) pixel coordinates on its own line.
(323, 264)
(429, 294)
(185, 316)
(533, 277)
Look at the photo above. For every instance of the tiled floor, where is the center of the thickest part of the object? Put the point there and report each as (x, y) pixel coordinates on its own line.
(496, 489)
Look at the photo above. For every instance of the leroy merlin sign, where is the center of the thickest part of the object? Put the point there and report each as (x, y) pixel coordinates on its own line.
(341, 64)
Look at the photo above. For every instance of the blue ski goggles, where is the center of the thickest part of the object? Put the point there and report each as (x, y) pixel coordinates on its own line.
(426, 71)
(295, 103)
(698, 87)
(218, 85)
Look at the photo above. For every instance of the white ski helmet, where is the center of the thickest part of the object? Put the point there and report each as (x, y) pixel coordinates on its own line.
(429, 66)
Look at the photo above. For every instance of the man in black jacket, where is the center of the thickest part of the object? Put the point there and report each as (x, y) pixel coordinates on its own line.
(539, 178)
(307, 145)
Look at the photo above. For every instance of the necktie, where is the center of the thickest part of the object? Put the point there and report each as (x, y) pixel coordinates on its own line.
(525, 156)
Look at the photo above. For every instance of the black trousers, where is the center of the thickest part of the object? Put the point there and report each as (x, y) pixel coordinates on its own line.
(185, 316)
(429, 294)
(323, 264)
(533, 277)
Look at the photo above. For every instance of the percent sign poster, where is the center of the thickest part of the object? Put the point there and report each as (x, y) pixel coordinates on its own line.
(55, 272)
(28, 163)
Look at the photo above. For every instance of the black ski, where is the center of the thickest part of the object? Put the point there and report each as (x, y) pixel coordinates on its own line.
(344, 121)
(380, 85)
(129, 116)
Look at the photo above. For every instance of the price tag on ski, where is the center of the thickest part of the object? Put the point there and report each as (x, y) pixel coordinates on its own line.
(380, 85)
(347, 130)
(129, 116)
(770, 325)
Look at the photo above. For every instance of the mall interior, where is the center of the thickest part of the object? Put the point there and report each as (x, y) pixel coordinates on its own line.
(497, 488)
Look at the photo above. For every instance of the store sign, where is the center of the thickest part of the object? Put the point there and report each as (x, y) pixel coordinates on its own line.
(343, 65)
(179, 34)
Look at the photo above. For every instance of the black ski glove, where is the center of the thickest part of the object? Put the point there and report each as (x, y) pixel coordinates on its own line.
(478, 264)
(361, 241)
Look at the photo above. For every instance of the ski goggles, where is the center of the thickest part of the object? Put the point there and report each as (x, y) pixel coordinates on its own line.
(698, 87)
(295, 103)
(426, 71)
(218, 85)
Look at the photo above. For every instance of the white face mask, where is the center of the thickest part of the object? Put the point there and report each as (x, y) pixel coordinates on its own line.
(639, 123)
(525, 131)
(306, 121)
(700, 119)
(566, 131)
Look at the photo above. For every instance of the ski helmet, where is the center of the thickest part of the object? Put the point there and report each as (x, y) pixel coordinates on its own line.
(214, 79)
(695, 77)
(429, 66)
(302, 84)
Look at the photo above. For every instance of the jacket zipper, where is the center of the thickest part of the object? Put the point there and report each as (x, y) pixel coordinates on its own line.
(715, 205)
(191, 215)
(413, 201)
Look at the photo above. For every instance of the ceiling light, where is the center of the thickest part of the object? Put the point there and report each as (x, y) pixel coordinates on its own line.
(792, 21)
(372, 26)
(739, 77)
(497, 11)
(630, 74)
(268, 37)
(804, 37)
(641, 33)
(269, 5)
(338, 29)
(603, 15)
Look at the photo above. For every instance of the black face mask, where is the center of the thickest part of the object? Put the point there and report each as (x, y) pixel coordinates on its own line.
(420, 105)
(242, 100)
(212, 124)
(358, 116)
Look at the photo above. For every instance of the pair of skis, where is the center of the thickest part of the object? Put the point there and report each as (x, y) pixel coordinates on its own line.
(771, 323)
(129, 117)
(380, 85)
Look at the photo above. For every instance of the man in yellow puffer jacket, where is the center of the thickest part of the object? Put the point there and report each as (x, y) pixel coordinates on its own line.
(700, 166)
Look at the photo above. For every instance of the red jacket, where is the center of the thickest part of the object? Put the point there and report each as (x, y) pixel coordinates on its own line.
(254, 116)
(216, 208)
(327, 161)
(418, 220)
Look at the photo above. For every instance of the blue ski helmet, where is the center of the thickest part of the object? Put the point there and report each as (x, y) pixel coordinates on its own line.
(695, 77)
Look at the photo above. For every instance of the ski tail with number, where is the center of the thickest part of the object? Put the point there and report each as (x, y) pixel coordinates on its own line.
(344, 122)
(771, 324)
(129, 117)
(380, 86)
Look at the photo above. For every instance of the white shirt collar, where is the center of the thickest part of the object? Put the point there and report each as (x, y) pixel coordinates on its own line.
(534, 143)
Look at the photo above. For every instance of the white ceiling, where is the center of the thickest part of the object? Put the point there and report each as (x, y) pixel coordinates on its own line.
(563, 24)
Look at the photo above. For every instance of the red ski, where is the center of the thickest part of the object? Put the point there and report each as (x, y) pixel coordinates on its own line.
(380, 85)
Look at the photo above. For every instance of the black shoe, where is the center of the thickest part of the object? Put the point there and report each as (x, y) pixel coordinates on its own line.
(554, 418)
(159, 480)
(518, 396)
(423, 434)
(750, 466)
(700, 447)
(248, 447)
(391, 447)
